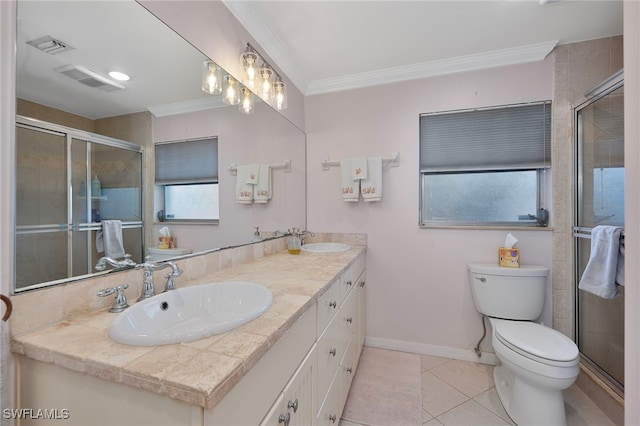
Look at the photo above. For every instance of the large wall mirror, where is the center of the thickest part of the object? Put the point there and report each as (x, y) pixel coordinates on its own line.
(60, 44)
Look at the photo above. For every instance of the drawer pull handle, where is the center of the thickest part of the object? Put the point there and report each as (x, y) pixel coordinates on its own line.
(333, 304)
(349, 370)
(349, 283)
(349, 320)
(285, 418)
(332, 418)
(293, 405)
(362, 283)
(482, 279)
(332, 351)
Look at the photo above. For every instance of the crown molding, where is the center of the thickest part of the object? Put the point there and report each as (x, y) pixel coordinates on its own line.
(496, 58)
(187, 106)
(253, 23)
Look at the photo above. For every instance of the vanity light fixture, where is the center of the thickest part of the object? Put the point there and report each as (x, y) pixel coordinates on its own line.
(266, 89)
(249, 72)
(248, 102)
(266, 81)
(280, 94)
(211, 78)
(231, 90)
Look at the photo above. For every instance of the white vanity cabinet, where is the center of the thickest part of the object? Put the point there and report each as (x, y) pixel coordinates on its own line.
(303, 378)
(340, 343)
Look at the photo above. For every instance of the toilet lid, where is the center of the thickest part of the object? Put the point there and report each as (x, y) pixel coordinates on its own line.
(537, 340)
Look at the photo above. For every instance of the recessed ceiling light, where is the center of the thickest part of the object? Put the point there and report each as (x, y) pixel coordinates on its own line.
(120, 76)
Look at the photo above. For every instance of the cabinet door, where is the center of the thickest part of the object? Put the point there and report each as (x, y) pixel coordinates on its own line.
(329, 355)
(300, 393)
(329, 414)
(296, 404)
(362, 312)
(347, 371)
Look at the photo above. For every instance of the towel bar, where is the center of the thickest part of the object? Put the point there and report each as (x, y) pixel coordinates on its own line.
(393, 161)
(585, 232)
(286, 166)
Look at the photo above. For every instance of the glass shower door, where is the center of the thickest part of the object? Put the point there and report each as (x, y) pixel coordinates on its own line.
(41, 206)
(600, 201)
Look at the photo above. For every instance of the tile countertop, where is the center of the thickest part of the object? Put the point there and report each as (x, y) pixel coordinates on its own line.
(200, 372)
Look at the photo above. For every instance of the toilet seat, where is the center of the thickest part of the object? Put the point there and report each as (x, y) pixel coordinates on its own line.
(537, 342)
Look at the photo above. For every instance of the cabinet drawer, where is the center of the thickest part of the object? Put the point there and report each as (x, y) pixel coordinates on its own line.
(328, 305)
(350, 276)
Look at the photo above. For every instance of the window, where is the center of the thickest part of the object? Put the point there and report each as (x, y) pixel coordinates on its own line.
(187, 180)
(485, 166)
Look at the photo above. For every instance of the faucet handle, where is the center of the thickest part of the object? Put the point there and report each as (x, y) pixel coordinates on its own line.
(120, 301)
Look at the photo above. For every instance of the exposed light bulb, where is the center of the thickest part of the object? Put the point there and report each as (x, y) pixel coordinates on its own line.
(231, 93)
(266, 91)
(246, 106)
(211, 78)
(280, 94)
(249, 59)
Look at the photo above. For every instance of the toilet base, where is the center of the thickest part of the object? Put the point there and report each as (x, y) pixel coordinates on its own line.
(528, 405)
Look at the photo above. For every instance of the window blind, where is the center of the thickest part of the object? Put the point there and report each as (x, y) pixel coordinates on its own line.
(502, 138)
(188, 161)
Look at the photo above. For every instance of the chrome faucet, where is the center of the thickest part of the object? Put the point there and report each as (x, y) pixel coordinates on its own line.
(303, 235)
(148, 288)
(124, 263)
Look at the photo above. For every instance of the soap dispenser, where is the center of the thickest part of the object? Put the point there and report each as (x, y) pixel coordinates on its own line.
(256, 235)
(96, 188)
(294, 244)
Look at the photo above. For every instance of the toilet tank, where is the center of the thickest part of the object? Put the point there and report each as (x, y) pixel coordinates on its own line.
(509, 293)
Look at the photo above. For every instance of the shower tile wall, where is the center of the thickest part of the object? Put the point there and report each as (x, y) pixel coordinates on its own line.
(578, 68)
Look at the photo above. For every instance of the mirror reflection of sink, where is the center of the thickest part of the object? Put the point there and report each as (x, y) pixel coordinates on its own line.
(326, 247)
(190, 313)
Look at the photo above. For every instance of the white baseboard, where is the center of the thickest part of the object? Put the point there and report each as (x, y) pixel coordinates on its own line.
(424, 349)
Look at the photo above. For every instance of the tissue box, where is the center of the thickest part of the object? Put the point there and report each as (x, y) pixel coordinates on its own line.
(509, 257)
(166, 243)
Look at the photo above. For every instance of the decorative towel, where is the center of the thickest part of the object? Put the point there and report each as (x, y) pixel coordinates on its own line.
(359, 168)
(244, 190)
(371, 187)
(109, 239)
(600, 274)
(252, 174)
(349, 186)
(263, 191)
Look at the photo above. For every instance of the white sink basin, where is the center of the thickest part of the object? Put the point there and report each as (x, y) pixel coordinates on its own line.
(190, 313)
(326, 247)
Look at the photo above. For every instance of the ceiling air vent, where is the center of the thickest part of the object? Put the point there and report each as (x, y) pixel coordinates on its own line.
(89, 78)
(49, 45)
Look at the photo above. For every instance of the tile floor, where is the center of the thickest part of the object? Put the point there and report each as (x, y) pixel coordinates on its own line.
(397, 388)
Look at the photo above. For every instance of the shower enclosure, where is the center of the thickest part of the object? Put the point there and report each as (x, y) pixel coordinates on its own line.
(67, 181)
(599, 136)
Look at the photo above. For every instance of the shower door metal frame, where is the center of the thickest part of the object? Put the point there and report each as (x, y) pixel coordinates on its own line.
(600, 91)
(70, 227)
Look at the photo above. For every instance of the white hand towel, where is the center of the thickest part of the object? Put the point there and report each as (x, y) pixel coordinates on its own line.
(359, 168)
(263, 190)
(350, 187)
(253, 174)
(600, 274)
(371, 187)
(109, 239)
(244, 190)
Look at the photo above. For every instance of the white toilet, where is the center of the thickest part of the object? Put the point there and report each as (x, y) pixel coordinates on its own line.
(537, 362)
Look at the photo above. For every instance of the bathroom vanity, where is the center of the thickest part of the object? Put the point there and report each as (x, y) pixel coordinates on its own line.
(292, 365)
